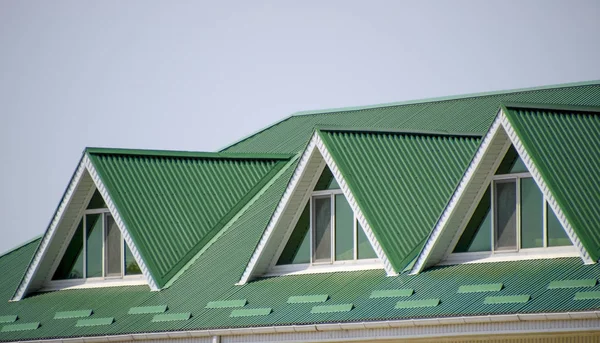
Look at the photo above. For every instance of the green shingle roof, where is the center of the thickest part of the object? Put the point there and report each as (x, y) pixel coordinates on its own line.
(401, 182)
(214, 273)
(564, 145)
(174, 204)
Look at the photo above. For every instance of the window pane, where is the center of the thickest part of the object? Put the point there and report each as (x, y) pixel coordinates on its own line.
(477, 235)
(71, 265)
(93, 223)
(506, 215)
(512, 163)
(557, 236)
(365, 249)
(344, 229)
(96, 201)
(326, 181)
(297, 248)
(131, 266)
(113, 248)
(532, 216)
(322, 229)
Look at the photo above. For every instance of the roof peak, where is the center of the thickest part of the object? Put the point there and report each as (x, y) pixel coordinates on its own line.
(446, 98)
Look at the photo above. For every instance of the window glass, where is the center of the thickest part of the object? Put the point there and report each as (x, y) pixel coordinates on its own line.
(297, 248)
(365, 249)
(505, 215)
(557, 236)
(532, 217)
(322, 229)
(477, 235)
(96, 201)
(71, 265)
(113, 248)
(344, 229)
(511, 163)
(131, 266)
(326, 181)
(93, 223)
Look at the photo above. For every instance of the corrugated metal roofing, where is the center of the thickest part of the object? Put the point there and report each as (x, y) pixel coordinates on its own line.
(462, 114)
(173, 205)
(564, 145)
(401, 182)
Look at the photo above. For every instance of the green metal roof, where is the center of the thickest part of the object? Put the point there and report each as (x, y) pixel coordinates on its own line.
(173, 205)
(472, 113)
(564, 146)
(401, 182)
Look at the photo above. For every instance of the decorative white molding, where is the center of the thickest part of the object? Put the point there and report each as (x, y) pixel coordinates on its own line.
(337, 266)
(516, 141)
(500, 123)
(132, 280)
(357, 211)
(47, 238)
(315, 145)
(522, 254)
(119, 221)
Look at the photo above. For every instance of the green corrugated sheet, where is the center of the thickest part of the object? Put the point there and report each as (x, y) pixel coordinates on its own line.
(417, 303)
(8, 318)
(147, 309)
(572, 283)
(250, 312)
(490, 287)
(332, 308)
(173, 205)
(214, 274)
(302, 299)
(95, 322)
(20, 327)
(169, 317)
(73, 314)
(391, 293)
(507, 299)
(390, 173)
(565, 148)
(227, 303)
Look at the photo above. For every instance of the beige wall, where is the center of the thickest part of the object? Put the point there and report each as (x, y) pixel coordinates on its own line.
(581, 337)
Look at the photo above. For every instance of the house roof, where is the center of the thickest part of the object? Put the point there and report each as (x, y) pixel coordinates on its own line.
(401, 181)
(564, 144)
(144, 185)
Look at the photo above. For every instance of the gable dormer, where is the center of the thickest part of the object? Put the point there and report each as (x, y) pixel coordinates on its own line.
(526, 194)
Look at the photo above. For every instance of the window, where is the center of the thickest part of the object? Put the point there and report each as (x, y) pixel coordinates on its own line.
(327, 231)
(513, 215)
(97, 249)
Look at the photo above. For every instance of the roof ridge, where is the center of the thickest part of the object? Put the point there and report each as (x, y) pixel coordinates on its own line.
(183, 153)
(446, 98)
(396, 131)
(551, 107)
(21, 245)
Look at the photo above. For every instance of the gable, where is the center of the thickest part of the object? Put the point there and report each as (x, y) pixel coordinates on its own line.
(173, 205)
(554, 148)
(401, 181)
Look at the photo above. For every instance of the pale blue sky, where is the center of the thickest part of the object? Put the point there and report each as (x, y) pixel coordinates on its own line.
(194, 75)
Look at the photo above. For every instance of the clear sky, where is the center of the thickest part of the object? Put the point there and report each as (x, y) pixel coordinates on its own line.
(197, 75)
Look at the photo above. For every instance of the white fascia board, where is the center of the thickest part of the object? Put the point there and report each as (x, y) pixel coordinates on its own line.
(48, 236)
(279, 210)
(354, 205)
(119, 221)
(433, 242)
(516, 141)
(315, 145)
(500, 123)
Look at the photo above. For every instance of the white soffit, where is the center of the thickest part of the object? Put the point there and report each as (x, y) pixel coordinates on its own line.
(466, 197)
(311, 161)
(84, 170)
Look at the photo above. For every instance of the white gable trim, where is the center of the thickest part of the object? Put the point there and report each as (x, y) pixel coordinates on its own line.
(315, 146)
(84, 166)
(501, 123)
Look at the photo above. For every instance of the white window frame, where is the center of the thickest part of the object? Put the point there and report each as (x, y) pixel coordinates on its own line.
(332, 265)
(92, 282)
(519, 253)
